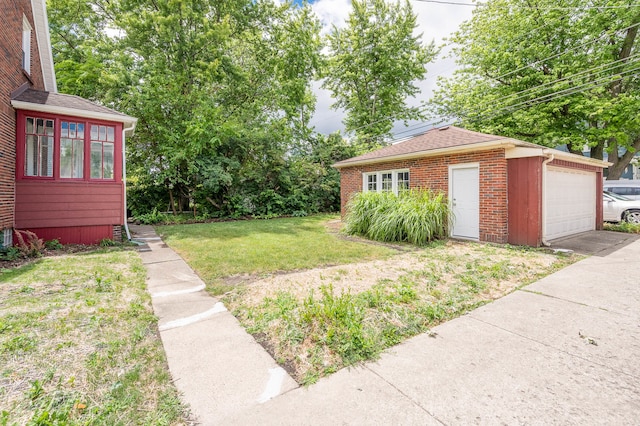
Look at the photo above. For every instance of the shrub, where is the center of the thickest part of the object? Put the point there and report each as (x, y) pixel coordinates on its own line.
(29, 244)
(415, 216)
(53, 245)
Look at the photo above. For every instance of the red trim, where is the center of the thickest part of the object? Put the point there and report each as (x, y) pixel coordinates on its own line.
(20, 148)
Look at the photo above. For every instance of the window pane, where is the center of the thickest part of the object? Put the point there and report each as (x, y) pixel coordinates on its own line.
(49, 127)
(39, 126)
(80, 131)
(103, 133)
(66, 158)
(64, 129)
(32, 155)
(372, 182)
(96, 160)
(29, 125)
(387, 181)
(78, 158)
(108, 161)
(46, 156)
(72, 130)
(94, 132)
(110, 134)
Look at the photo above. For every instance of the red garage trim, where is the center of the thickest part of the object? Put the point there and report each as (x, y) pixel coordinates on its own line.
(525, 201)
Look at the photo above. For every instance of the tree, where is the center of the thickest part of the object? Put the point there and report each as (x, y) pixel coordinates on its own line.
(373, 65)
(550, 72)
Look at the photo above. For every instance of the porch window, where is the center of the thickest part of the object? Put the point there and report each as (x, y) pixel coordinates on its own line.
(102, 151)
(403, 181)
(387, 182)
(372, 182)
(71, 150)
(39, 147)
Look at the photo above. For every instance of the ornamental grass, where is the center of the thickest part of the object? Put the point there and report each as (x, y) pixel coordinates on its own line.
(416, 216)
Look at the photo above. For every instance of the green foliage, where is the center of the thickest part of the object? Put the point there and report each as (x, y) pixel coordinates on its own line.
(373, 66)
(108, 242)
(10, 253)
(414, 216)
(53, 245)
(557, 74)
(631, 228)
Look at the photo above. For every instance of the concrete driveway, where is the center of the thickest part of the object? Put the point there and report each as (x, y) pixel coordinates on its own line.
(595, 243)
(563, 350)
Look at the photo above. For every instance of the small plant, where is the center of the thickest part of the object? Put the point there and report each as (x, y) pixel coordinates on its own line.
(152, 218)
(10, 253)
(29, 244)
(630, 228)
(53, 245)
(108, 242)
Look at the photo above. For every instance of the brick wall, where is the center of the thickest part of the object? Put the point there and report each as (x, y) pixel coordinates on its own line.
(12, 78)
(433, 173)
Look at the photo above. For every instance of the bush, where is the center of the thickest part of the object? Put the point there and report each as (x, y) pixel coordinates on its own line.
(29, 244)
(415, 216)
(53, 245)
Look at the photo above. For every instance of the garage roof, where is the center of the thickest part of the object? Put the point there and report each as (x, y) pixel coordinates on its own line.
(451, 139)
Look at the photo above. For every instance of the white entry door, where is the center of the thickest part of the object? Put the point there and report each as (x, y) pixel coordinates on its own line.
(464, 195)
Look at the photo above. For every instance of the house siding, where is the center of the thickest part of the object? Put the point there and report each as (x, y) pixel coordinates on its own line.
(525, 201)
(432, 173)
(13, 78)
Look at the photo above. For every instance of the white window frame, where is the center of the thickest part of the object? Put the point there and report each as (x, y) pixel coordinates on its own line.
(378, 174)
(26, 45)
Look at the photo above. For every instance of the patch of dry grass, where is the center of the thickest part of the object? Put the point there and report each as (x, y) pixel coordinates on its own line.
(317, 321)
(79, 344)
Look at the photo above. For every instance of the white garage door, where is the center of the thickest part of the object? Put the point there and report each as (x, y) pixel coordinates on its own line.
(571, 202)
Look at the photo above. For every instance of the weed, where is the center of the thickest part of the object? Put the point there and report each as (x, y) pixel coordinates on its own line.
(28, 243)
(631, 228)
(108, 242)
(53, 245)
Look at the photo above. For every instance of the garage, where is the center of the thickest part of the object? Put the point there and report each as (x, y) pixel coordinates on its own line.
(570, 202)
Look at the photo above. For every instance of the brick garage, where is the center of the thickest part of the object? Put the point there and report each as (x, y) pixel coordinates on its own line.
(511, 174)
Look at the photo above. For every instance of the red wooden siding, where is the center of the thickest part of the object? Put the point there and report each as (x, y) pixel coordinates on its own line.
(75, 235)
(525, 201)
(63, 204)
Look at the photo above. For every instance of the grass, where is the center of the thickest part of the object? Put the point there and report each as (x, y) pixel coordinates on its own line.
(258, 247)
(316, 331)
(79, 344)
(630, 228)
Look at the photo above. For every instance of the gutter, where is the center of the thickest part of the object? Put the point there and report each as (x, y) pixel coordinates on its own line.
(547, 153)
(124, 179)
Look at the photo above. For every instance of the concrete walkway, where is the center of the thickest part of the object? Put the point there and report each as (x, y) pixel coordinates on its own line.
(564, 350)
(220, 369)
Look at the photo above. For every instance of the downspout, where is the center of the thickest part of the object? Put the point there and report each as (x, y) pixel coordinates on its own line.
(124, 180)
(549, 159)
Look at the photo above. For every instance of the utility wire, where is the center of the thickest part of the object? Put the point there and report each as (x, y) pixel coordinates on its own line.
(479, 4)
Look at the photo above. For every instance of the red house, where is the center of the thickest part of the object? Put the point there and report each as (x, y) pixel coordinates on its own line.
(501, 189)
(61, 156)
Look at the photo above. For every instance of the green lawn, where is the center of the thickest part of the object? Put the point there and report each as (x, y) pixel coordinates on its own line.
(218, 250)
(79, 344)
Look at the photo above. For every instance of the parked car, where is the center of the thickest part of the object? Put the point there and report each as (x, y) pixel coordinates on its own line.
(617, 208)
(626, 188)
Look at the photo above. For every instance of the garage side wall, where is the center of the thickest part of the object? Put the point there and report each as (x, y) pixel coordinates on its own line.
(433, 173)
(525, 201)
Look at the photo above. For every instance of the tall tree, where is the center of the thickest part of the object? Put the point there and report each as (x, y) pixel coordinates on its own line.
(550, 72)
(373, 65)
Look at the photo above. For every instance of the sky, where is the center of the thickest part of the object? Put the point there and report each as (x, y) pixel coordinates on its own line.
(436, 21)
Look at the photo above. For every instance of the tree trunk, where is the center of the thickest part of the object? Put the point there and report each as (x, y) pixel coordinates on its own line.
(172, 202)
(621, 163)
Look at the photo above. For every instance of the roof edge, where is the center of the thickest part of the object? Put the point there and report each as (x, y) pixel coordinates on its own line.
(482, 146)
(43, 38)
(28, 106)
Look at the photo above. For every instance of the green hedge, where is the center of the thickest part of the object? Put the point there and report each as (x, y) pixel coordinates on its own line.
(416, 216)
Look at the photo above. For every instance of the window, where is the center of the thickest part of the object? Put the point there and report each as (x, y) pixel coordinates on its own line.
(39, 147)
(71, 150)
(372, 182)
(403, 181)
(102, 151)
(392, 181)
(26, 45)
(387, 182)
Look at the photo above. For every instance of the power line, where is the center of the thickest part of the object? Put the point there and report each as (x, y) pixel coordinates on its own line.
(453, 3)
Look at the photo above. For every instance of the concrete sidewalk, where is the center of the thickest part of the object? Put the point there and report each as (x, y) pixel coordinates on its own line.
(220, 369)
(564, 350)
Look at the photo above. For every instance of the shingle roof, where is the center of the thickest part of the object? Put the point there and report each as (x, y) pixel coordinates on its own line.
(434, 139)
(69, 102)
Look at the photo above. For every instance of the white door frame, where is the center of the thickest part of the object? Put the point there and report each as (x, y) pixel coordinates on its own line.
(452, 168)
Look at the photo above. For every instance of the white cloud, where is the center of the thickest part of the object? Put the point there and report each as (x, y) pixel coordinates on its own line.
(435, 21)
